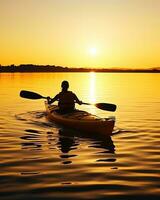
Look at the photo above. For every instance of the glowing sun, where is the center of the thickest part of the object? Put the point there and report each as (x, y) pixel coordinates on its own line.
(93, 51)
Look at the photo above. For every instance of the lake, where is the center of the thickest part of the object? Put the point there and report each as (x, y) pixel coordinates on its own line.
(42, 160)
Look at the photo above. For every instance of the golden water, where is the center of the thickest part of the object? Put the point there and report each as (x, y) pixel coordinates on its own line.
(41, 160)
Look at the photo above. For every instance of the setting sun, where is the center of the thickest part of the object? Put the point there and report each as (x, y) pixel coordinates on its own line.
(93, 51)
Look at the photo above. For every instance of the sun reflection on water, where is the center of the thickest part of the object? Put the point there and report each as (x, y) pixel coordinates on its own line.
(92, 89)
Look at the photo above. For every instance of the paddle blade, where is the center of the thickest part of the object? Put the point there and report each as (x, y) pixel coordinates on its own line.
(106, 106)
(30, 95)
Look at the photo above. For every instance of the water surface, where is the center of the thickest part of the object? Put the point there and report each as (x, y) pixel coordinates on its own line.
(42, 160)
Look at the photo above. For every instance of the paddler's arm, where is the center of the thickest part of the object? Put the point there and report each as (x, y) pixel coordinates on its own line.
(51, 100)
(77, 100)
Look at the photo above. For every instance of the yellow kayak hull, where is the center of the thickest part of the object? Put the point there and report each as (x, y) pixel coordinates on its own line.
(81, 120)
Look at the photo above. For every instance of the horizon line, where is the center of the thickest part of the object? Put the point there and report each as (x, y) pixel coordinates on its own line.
(87, 68)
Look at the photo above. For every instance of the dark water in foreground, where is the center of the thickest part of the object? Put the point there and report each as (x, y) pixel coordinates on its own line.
(41, 160)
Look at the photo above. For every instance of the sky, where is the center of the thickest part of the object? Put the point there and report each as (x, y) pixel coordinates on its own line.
(80, 33)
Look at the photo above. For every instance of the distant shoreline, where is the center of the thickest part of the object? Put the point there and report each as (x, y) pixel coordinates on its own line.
(52, 68)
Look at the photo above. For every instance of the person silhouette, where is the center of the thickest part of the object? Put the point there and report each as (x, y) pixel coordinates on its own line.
(66, 99)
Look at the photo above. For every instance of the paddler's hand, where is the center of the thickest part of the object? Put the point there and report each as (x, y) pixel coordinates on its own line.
(80, 102)
(49, 100)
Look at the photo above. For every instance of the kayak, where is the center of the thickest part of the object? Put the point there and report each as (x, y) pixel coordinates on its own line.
(81, 120)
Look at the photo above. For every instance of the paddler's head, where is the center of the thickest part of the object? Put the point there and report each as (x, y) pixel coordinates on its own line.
(65, 85)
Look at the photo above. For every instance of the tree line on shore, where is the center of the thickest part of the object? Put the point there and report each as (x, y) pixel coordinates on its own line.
(52, 68)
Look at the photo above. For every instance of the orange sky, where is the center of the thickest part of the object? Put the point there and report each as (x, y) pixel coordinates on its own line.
(77, 33)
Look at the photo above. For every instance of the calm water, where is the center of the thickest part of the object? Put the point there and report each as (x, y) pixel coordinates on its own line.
(41, 160)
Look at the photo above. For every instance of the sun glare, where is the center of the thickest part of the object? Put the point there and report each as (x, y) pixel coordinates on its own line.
(93, 51)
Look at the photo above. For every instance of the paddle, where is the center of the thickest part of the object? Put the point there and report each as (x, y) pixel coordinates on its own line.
(31, 95)
(102, 106)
